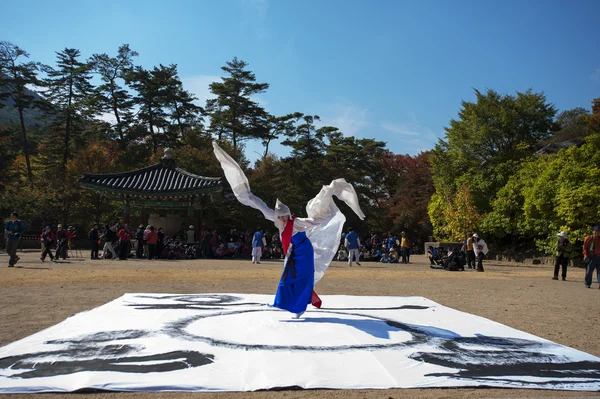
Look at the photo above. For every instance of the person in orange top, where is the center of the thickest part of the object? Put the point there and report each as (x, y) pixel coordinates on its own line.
(591, 256)
(470, 252)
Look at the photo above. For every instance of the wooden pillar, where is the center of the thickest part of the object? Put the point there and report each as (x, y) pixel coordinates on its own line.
(200, 220)
(126, 211)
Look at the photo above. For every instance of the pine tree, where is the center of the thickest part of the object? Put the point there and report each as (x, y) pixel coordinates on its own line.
(234, 113)
(114, 97)
(14, 78)
(178, 102)
(150, 101)
(73, 97)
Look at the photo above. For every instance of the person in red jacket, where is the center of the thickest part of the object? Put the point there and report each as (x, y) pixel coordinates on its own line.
(152, 240)
(124, 242)
(591, 256)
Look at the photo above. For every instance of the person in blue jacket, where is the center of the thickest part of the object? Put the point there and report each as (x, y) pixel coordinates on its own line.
(13, 231)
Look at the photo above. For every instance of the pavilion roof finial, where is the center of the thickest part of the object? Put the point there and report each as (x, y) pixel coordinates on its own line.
(168, 154)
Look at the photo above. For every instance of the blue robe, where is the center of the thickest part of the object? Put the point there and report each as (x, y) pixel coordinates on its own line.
(298, 278)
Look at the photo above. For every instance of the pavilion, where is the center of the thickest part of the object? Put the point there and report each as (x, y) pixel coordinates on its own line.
(162, 186)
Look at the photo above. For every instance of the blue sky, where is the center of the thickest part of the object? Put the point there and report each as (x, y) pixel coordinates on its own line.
(391, 70)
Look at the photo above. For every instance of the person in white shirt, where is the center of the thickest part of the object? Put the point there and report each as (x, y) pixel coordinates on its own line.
(481, 249)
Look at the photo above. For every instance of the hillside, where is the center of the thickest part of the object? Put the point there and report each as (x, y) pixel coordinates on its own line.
(9, 114)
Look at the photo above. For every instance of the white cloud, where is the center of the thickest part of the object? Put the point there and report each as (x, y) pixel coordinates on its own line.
(108, 117)
(595, 76)
(400, 129)
(350, 118)
(199, 86)
(409, 137)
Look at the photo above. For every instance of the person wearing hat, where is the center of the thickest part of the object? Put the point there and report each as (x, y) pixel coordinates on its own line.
(13, 230)
(47, 238)
(591, 256)
(481, 249)
(61, 242)
(563, 253)
(305, 263)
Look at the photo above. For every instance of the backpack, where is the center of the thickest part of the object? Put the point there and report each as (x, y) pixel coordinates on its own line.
(91, 234)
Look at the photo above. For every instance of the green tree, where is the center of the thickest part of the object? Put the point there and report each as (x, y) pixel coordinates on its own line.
(114, 96)
(178, 102)
(487, 144)
(234, 113)
(150, 102)
(306, 140)
(74, 99)
(15, 76)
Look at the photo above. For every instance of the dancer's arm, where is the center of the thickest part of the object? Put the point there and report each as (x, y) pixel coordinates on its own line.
(303, 224)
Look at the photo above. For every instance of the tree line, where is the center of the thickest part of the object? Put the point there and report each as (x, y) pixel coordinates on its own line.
(491, 177)
(58, 130)
(484, 175)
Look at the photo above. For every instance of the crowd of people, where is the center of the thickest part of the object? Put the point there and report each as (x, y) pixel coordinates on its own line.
(120, 242)
(471, 254)
(384, 248)
(150, 242)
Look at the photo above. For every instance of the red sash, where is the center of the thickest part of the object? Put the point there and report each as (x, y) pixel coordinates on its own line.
(286, 239)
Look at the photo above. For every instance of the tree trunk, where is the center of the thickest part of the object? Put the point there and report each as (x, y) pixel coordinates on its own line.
(25, 147)
(267, 148)
(151, 123)
(178, 118)
(67, 130)
(116, 112)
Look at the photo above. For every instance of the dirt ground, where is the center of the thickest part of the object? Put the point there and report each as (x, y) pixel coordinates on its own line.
(38, 295)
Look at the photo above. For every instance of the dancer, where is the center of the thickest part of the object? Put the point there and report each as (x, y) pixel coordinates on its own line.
(309, 244)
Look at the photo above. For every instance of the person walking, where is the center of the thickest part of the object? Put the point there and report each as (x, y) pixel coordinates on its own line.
(47, 238)
(591, 256)
(14, 230)
(109, 237)
(258, 245)
(563, 253)
(480, 249)
(94, 237)
(61, 242)
(352, 243)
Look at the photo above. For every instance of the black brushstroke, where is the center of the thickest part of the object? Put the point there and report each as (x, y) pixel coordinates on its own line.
(104, 336)
(107, 358)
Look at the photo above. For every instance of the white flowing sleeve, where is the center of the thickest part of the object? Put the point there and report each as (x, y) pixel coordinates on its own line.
(325, 237)
(239, 184)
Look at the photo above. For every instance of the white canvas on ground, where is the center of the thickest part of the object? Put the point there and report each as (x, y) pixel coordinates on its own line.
(237, 342)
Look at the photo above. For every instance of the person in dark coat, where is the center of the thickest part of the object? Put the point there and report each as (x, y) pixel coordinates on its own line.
(62, 239)
(47, 239)
(139, 235)
(94, 237)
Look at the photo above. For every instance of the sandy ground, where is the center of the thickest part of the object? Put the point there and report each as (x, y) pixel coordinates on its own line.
(38, 295)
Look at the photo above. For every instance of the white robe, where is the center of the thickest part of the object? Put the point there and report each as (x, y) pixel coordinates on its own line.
(324, 223)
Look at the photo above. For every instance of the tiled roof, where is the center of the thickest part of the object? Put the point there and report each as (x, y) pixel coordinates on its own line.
(161, 179)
